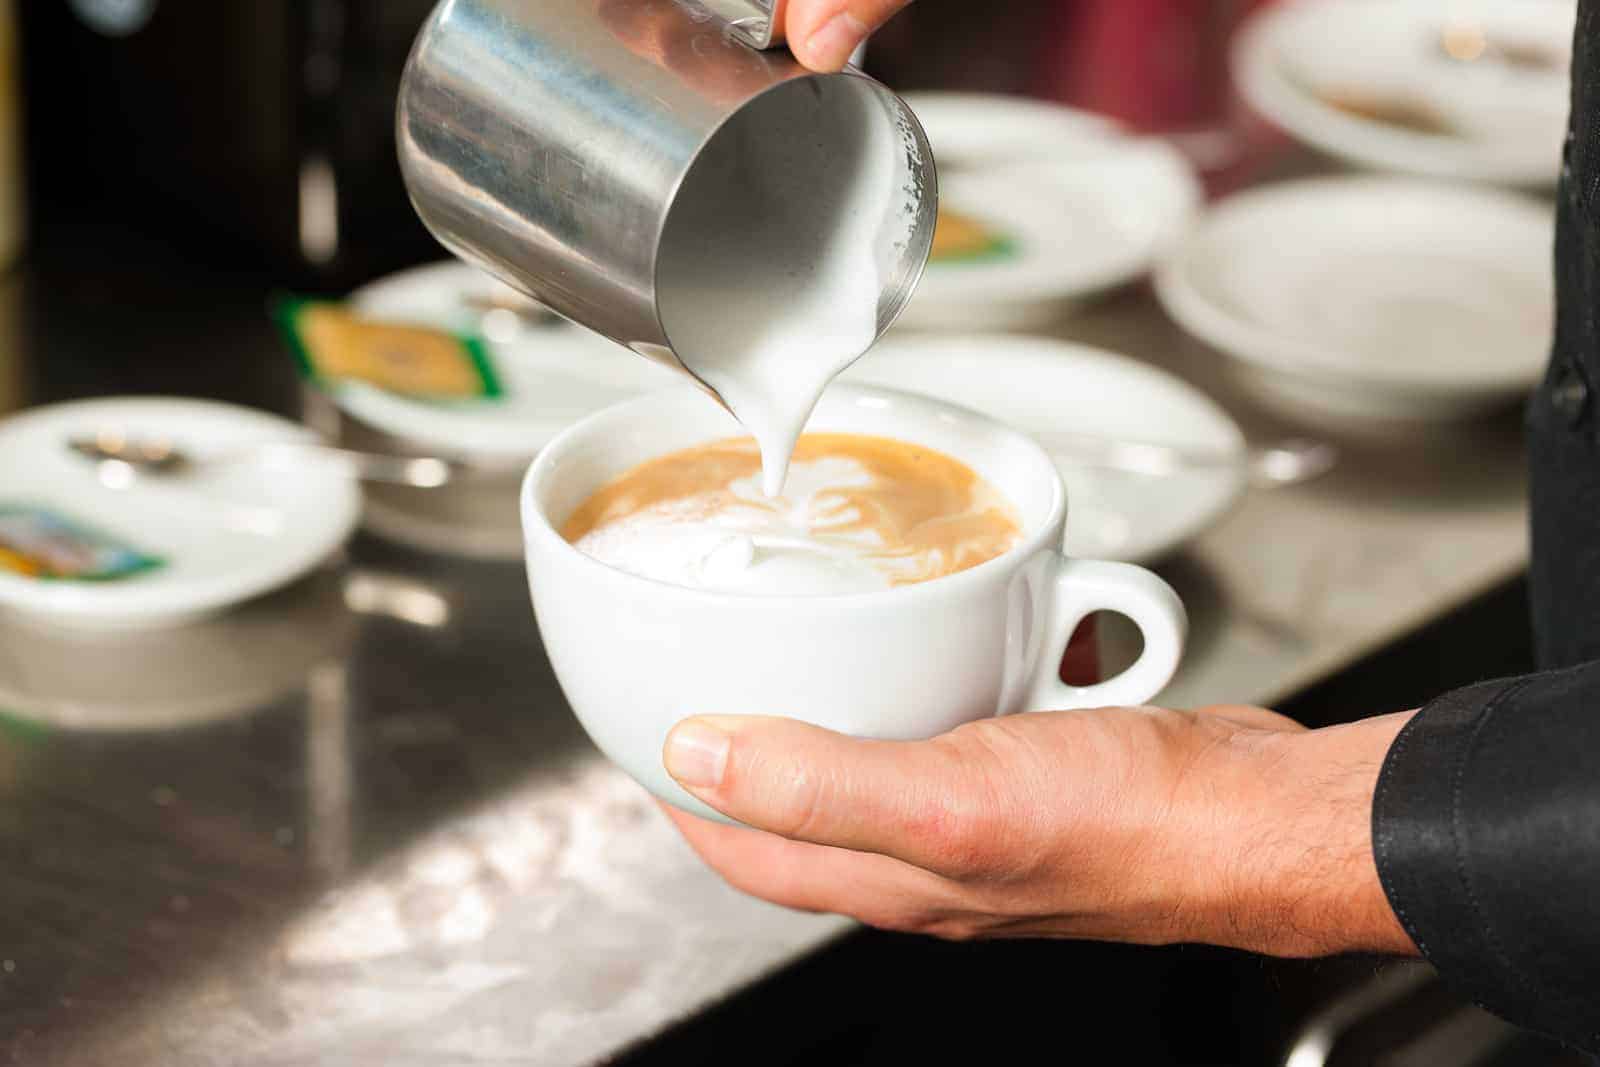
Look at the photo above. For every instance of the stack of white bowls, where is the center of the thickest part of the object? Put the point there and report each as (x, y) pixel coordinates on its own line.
(1416, 297)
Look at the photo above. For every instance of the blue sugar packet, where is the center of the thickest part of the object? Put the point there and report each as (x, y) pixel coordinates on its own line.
(38, 543)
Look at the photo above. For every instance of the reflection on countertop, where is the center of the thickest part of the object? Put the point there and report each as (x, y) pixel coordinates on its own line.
(414, 823)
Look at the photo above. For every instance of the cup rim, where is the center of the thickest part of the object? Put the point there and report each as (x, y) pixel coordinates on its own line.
(536, 526)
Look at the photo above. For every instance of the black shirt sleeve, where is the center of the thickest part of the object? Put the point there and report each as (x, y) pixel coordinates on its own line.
(1486, 822)
(1486, 830)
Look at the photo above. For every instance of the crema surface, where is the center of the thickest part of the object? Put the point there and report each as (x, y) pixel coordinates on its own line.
(858, 514)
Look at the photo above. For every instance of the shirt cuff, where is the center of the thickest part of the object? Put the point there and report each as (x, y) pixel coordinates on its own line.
(1484, 831)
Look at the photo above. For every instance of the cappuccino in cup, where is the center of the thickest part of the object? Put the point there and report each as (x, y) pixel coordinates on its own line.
(908, 580)
(858, 514)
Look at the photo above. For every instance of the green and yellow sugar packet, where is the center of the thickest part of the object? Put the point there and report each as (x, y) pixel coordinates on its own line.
(335, 346)
(960, 238)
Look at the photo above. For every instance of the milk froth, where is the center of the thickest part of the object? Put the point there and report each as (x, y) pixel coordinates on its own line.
(858, 514)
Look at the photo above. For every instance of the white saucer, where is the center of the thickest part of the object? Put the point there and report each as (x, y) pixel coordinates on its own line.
(1040, 386)
(979, 130)
(553, 375)
(1372, 298)
(1088, 208)
(1512, 119)
(227, 533)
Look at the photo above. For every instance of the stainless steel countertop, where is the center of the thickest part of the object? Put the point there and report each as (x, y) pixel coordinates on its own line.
(360, 825)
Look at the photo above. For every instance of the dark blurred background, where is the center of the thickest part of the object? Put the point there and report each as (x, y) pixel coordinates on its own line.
(257, 132)
(260, 134)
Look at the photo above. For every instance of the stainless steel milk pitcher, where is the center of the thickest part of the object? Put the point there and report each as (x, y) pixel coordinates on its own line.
(549, 142)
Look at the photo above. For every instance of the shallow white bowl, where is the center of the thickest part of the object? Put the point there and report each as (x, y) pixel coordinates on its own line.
(1512, 121)
(1372, 298)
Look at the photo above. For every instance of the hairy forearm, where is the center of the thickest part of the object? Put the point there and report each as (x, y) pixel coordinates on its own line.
(1294, 869)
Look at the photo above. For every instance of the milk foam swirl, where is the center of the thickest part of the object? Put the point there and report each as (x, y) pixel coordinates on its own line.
(858, 514)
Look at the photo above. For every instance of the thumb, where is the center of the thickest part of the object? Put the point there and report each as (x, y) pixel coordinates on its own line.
(919, 802)
(823, 33)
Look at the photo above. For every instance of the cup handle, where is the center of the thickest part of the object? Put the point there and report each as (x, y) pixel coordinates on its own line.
(1083, 587)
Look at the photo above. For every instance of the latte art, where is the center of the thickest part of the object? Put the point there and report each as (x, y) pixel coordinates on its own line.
(857, 514)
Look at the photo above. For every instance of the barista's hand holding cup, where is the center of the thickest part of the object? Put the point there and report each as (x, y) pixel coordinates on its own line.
(908, 581)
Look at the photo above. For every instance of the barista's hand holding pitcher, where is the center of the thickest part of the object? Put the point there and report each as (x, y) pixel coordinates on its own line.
(824, 33)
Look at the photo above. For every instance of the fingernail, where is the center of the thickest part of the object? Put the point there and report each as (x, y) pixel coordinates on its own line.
(697, 755)
(829, 48)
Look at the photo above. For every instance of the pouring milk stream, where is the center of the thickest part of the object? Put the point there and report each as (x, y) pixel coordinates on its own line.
(642, 169)
(764, 304)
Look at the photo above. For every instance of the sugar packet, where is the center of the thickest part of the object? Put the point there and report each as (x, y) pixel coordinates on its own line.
(38, 543)
(959, 238)
(334, 346)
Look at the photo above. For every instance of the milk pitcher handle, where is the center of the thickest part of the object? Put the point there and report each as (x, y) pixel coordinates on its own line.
(750, 20)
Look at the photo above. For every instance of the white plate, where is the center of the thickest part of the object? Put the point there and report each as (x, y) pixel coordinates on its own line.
(1042, 386)
(1367, 297)
(978, 130)
(553, 375)
(1088, 208)
(1512, 121)
(227, 533)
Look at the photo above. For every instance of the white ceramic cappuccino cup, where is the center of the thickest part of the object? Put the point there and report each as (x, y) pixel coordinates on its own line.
(636, 656)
